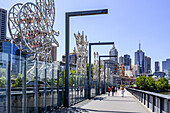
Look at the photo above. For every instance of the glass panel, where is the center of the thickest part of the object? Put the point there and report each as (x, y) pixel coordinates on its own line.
(30, 85)
(17, 84)
(41, 86)
(3, 81)
(55, 86)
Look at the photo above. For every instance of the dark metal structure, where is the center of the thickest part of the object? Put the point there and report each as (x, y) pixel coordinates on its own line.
(90, 44)
(67, 46)
(104, 70)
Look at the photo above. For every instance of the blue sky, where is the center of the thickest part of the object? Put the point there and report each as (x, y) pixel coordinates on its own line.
(127, 22)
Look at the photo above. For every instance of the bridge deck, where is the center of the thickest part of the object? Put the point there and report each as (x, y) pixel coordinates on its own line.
(109, 104)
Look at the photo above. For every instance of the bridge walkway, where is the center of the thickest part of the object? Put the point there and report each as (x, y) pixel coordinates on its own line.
(109, 104)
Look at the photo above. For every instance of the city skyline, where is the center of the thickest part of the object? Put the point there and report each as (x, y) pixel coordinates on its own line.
(127, 22)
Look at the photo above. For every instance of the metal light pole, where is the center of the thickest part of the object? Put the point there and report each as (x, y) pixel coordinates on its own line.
(104, 69)
(90, 44)
(67, 47)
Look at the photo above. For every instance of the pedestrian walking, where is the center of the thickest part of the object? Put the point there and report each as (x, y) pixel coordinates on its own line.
(116, 90)
(113, 90)
(109, 91)
(123, 91)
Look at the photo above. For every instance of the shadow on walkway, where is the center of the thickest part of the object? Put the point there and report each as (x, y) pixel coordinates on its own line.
(81, 110)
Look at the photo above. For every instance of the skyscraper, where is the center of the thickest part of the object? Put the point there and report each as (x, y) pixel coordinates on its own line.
(140, 59)
(157, 68)
(127, 61)
(166, 66)
(147, 64)
(113, 52)
(121, 60)
(3, 24)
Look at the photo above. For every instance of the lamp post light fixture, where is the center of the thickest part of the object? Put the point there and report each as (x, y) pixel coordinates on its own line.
(104, 70)
(67, 45)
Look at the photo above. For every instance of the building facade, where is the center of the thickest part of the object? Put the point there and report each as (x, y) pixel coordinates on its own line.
(166, 66)
(113, 52)
(3, 23)
(127, 61)
(157, 67)
(147, 65)
(140, 59)
(121, 60)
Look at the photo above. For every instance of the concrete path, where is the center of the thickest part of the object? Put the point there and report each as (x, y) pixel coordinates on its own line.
(109, 104)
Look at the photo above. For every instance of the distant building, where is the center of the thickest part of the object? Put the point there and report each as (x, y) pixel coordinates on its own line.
(122, 70)
(54, 53)
(147, 65)
(166, 66)
(72, 56)
(140, 59)
(159, 74)
(113, 52)
(157, 68)
(135, 70)
(121, 60)
(127, 61)
(3, 23)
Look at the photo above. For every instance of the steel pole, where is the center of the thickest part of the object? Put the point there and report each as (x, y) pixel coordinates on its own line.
(99, 78)
(89, 89)
(66, 94)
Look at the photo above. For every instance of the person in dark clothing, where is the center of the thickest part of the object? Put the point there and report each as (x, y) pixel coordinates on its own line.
(113, 90)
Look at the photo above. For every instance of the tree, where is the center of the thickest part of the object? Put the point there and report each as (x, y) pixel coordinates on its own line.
(162, 84)
(140, 82)
(150, 84)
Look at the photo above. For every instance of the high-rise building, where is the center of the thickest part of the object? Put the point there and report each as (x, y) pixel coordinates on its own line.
(127, 61)
(166, 66)
(147, 64)
(121, 60)
(157, 68)
(113, 52)
(140, 59)
(3, 23)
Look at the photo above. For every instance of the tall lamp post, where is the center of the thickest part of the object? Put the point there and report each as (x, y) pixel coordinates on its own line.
(90, 44)
(67, 47)
(104, 70)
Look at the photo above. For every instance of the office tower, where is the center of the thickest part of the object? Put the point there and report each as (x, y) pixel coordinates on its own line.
(157, 66)
(113, 52)
(166, 66)
(147, 64)
(140, 59)
(3, 23)
(127, 61)
(121, 60)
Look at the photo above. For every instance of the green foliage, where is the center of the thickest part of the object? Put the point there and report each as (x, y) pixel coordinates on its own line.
(140, 82)
(150, 84)
(18, 81)
(162, 84)
(169, 86)
(2, 72)
(2, 82)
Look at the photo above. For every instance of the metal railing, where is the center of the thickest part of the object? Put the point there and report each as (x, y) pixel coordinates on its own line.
(158, 103)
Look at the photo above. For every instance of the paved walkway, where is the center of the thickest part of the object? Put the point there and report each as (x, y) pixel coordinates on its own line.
(109, 104)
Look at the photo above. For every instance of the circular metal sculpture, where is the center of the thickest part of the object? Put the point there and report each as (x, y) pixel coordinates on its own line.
(31, 26)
